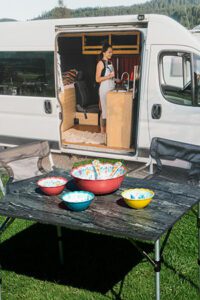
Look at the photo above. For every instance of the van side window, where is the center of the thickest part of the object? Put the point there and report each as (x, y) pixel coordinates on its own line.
(27, 74)
(197, 78)
(175, 77)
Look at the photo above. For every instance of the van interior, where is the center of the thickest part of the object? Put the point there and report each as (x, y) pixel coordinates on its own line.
(77, 58)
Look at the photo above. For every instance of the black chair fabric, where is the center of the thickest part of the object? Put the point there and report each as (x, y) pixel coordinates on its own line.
(171, 150)
(83, 95)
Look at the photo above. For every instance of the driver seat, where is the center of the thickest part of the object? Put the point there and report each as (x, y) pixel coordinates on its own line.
(83, 96)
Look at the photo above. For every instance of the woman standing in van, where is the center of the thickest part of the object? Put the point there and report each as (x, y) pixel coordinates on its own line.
(105, 77)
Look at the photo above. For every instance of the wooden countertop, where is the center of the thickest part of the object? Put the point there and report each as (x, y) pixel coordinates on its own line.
(121, 93)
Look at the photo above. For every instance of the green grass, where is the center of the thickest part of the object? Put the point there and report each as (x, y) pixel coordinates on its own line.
(94, 265)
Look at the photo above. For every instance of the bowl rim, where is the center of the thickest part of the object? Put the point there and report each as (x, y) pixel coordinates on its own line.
(82, 192)
(142, 189)
(52, 177)
(125, 171)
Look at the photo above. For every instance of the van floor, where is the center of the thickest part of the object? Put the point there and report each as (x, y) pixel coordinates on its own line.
(86, 134)
(92, 129)
(65, 143)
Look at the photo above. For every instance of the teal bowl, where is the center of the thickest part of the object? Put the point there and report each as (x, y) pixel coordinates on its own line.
(78, 200)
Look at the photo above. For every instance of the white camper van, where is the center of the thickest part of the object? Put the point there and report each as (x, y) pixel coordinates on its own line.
(196, 32)
(48, 89)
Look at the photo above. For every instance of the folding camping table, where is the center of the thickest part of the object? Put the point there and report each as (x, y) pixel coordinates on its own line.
(107, 214)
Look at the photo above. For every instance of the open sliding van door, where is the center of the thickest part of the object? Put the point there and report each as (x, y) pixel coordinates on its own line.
(173, 94)
(29, 110)
(77, 48)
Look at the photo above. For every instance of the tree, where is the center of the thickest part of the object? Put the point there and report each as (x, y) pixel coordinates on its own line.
(61, 3)
(187, 12)
(60, 11)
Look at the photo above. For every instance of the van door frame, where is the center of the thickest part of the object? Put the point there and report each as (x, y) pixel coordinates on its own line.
(168, 104)
(96, 29)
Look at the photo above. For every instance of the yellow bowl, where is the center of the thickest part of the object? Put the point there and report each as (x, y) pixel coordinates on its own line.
(137, 198)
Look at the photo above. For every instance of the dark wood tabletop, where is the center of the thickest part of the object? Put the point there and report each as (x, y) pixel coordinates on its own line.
(108, 214)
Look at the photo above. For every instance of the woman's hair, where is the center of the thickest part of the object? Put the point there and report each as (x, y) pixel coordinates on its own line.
(104, 48)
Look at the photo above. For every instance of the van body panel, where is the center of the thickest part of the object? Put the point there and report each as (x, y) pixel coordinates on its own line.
(177, 122)
(196, 34)
(143, 138)
(81, 152)
(163, 30)
(20, 39)
(40, 35)
(25, 117)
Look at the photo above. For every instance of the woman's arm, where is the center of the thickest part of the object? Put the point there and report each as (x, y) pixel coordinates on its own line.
(99, 69)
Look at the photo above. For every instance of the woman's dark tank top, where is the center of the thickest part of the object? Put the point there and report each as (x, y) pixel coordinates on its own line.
(105, 63)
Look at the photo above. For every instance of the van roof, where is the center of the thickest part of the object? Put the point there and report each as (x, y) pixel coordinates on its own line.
(39, 35)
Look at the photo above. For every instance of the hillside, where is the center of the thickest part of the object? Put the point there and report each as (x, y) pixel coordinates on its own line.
(187, 12)
(7, 20)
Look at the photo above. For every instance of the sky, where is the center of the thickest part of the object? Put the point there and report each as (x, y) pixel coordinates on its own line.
(28, 9)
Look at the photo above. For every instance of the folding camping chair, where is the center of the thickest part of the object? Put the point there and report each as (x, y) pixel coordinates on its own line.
(25, 162)
(164, 149)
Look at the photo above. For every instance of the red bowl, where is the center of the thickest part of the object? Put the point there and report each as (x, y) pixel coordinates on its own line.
(51, 190)
(98, 186)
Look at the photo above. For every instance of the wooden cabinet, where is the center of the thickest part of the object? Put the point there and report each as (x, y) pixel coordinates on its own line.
(122, 42)
(92, 119)
(125, 42)
(68, 103)
(92, 43)
(119, 119)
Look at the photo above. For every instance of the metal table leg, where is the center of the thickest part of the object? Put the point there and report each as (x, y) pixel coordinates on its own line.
(60, 245)
(157, 269)
(6, 224)
(156, 262)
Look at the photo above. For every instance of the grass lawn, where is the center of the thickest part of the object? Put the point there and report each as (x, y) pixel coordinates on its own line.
(96, 267)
